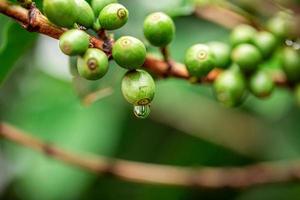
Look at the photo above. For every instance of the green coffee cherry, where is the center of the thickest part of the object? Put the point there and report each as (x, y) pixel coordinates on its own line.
(242, 34)
(291, 63)
(113, 16)
(74, 42)
(280, 25)
(129, 52)
(229, 88)
(138, 87)
(266, 42)
(247, 57)
(63, 13)
(141, 112)
(261, 84)
(199, 60)
(86, 15)
(222, 54)
(159, 29)
(93, 65)
(98, 5)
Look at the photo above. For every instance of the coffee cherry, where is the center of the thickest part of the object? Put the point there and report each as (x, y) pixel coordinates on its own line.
(222, 54)
(199, 60)
(86, 15)
(113, 16)
(242, 34)
(93, 65)
(229, 88)
(74, 42)
(98, 5)
(159, 29)
(247, 57)
(261, 84)
(61, 12)
(265, 42)
(291, 63)
(129, 52)
(141, 112)
(138, 87)
(280, 25)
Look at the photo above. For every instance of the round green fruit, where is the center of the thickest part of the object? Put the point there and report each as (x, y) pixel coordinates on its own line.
(266, 42)
(93, 64)
(138, 87)
(98, 5)
(86, 15)
(74, 42)
(129, 52)
(199, 60)
(261, 84)
(222, 54)
(229, 88)
(291, 63)
(247, 57)
(63, 13)
(280, 25)
(159, 29)
(113, 16)
(242, 34)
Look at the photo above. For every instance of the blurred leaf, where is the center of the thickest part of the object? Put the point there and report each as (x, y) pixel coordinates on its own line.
(14, 43)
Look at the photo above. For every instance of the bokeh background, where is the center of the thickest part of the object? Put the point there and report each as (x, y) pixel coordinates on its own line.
(187, 126)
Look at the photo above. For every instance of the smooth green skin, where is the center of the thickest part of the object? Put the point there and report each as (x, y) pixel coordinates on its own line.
(98, 5)
(291, 63)
(93, 65)
(62, 13)
(86, 15)
(141, 112)
(266, 42)
(247, 57)
(242, 34)
(261, 84)
(138, 87)
(279, 26)
(230, 88)
(222, 52)
(74, 42)
(199, 60)
(159, 29)
(113, 16)
(129, 52)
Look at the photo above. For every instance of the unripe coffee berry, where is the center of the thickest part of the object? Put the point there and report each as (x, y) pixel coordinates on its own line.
(229, 88)
(74, 42)
(61, 12)
(199, 60)
(261, 84)
(98, 5)
(242, 34)
(86, 15)
(291, 63)
(247, 57)
(159, 29)
(113, 16)
(138, 87)
(129, 52)
(280, 25)
(93, 64)
(266, 42)
(221, 53)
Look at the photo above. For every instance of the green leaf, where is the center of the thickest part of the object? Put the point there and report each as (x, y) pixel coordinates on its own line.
(15, 41)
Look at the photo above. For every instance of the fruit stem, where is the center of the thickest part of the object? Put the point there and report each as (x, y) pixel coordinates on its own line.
(166, 55)
(108, 41)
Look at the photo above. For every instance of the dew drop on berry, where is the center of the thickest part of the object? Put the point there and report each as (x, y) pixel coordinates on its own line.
(141, 112)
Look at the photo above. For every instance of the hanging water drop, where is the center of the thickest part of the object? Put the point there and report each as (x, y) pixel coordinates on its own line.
(141, 112)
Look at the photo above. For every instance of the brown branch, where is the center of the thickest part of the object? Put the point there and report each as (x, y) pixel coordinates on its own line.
(157, 66)
(204, 177)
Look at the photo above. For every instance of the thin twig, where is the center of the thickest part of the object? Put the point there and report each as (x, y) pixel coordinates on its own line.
(157, 66)
(204, 177)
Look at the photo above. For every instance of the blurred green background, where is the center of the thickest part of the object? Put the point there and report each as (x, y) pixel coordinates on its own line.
(187, 126)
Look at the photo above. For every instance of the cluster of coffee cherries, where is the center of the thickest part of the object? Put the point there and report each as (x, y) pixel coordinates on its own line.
(243, 61)
(138, 86)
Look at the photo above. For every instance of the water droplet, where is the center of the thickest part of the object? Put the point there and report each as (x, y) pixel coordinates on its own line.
(141, 112)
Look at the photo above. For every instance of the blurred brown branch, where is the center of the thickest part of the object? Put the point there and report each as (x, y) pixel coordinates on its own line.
(159, 67)
(204, 177)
